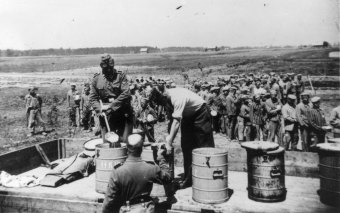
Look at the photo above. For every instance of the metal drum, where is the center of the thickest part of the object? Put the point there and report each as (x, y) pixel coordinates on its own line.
(209, 175)
(329, 169)
(266, 171)
(106, 159)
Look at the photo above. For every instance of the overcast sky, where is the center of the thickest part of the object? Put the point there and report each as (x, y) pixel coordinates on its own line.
(36, 24)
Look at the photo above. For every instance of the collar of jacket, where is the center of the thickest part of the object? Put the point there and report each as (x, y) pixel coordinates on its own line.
(133, 158)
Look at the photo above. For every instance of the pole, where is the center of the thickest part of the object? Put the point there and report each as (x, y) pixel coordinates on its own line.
(310, 82)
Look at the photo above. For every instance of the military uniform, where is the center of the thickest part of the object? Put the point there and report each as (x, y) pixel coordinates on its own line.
(133, 182)
(115, 93)
(73, 99)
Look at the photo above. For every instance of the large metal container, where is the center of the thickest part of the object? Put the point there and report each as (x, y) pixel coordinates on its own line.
(266, 171)
(329, 169)
(106, 159)
(209, 175)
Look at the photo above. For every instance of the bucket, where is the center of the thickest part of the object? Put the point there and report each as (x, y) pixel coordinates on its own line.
(329, 170)
(266, 171)
(106, 159)
(209, 175)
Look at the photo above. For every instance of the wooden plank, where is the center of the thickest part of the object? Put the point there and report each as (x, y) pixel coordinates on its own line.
(26, 159)
(39, 205)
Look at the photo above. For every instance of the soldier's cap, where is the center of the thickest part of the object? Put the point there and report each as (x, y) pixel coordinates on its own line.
(210, 83)
(73, 84)
(250, 74)
(257, 79)
(226, 88)
(245, 97)
(291, 74)
(106, 60)
(203, 86)
(299, 74)
(292, 97)
(233, 88)
(33, 88)
(240, 79)
(132, 86)
(305, 94)
(214, 89)
(135, 140)
(244, 89)
(315, 99)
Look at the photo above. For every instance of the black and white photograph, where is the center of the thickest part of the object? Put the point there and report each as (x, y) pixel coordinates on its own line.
(169, 106)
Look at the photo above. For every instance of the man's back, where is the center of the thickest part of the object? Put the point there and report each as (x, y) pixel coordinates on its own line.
(133, 180)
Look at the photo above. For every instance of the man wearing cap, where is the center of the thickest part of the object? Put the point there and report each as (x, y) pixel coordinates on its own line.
(132, 181)
(34, 105)
(316, 120)
(302, 114)
(215, 103)
(257, 113)
(244, 124)
(335, 121)
(85, 108)
(258, 90)
(300, 87)
(291, 136)
(273, 106)
(231, 102)
(223, 110)
(191, 113)
(73, 103)
(204, 92)
(111, 87)
(27, 101)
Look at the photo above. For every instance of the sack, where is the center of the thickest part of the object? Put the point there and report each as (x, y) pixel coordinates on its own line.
(146, 207)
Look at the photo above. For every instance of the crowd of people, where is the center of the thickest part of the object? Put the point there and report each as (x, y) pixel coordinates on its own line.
(246, 107)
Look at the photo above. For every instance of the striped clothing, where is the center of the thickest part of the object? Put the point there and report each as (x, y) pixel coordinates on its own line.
(316, 119)
(257, 113)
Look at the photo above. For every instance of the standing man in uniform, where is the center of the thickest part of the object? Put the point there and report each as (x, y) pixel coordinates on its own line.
(273, 105)
(291, 136)
(132, 181)
(301, 113)
(316, 119)
(193, 115)
(335, 121)
(27, 101)
(111, 87)
(86, 109)
(300, 87)
(34, 108)
(73, 103)
(231, 102)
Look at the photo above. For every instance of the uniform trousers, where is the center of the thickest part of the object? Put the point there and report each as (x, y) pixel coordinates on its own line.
(196, 132)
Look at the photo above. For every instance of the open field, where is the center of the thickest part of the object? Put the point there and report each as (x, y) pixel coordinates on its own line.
(16, 74)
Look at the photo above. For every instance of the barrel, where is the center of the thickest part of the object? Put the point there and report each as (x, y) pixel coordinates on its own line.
(266, 175)
(209, 175)
(329, 171)
(106, 159)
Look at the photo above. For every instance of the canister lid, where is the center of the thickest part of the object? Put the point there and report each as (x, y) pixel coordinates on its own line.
(91, 144)
(260, 145)
(333, 140)
(333, 147)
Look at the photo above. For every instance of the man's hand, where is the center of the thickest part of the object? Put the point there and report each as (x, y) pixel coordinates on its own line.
(168, 145)
(105, 107)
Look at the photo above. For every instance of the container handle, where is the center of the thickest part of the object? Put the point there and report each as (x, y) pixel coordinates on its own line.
(207, 158)
(275, 172)
(217, 174)
(265, 159)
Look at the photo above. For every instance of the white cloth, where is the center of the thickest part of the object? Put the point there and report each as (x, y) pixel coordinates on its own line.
(185, 102)
(259, 91)
(17, 181)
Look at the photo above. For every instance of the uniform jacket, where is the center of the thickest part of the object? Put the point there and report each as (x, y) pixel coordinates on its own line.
(117, 93)
(132, 180)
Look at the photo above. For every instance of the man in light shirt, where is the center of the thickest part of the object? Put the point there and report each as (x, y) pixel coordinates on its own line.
(193, 115)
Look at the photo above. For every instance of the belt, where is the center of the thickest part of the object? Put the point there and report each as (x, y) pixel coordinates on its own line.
(138, 200)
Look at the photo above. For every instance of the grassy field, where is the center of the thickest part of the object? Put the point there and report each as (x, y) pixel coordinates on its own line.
(46, 72)
(312, 61)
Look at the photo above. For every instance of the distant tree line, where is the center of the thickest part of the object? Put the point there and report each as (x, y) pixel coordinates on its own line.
(79, 51)
(94, 50)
